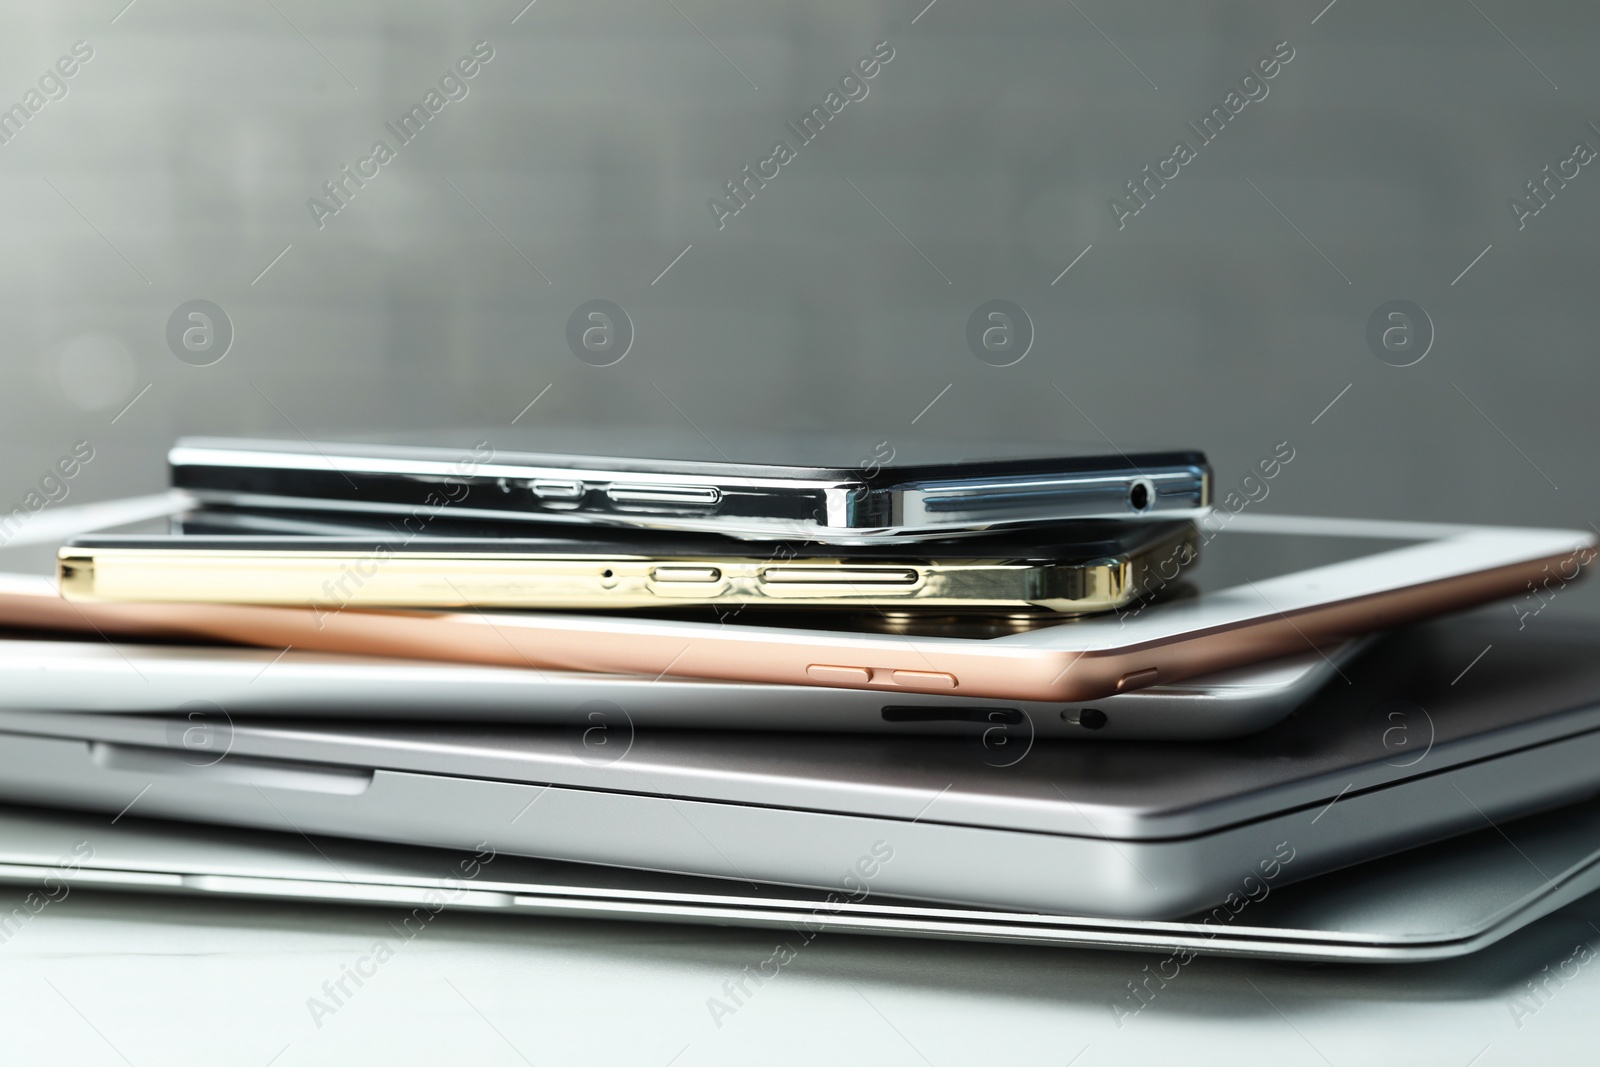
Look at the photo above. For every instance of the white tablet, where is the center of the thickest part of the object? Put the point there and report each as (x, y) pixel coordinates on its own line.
(1265, 587)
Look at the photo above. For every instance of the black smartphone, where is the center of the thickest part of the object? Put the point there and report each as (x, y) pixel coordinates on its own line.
(771, 487)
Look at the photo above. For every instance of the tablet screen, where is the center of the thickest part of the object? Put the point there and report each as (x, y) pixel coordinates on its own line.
(1236, 557)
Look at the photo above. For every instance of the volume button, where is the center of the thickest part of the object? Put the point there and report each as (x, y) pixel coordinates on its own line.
(679, 573)
(702, 495)
(547, 490)
(924, 679)
(833, 675)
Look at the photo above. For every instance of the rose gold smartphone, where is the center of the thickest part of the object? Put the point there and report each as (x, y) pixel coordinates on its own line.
(1265, 586)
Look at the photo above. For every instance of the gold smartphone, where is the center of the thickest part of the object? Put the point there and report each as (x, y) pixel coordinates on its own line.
(1268, 586)
(1073, 569)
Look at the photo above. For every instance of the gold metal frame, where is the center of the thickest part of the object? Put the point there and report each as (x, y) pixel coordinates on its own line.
(382, 578)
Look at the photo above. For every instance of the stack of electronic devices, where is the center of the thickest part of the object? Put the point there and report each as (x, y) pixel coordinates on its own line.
(970, 693)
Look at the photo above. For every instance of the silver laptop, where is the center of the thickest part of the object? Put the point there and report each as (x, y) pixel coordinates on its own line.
(1439, 901)
(96, 675)
(1404, 748)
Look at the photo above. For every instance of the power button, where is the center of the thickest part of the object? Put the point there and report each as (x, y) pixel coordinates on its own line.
(1138, 679)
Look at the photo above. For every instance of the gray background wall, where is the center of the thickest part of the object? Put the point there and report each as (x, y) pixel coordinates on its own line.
(180, 161)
